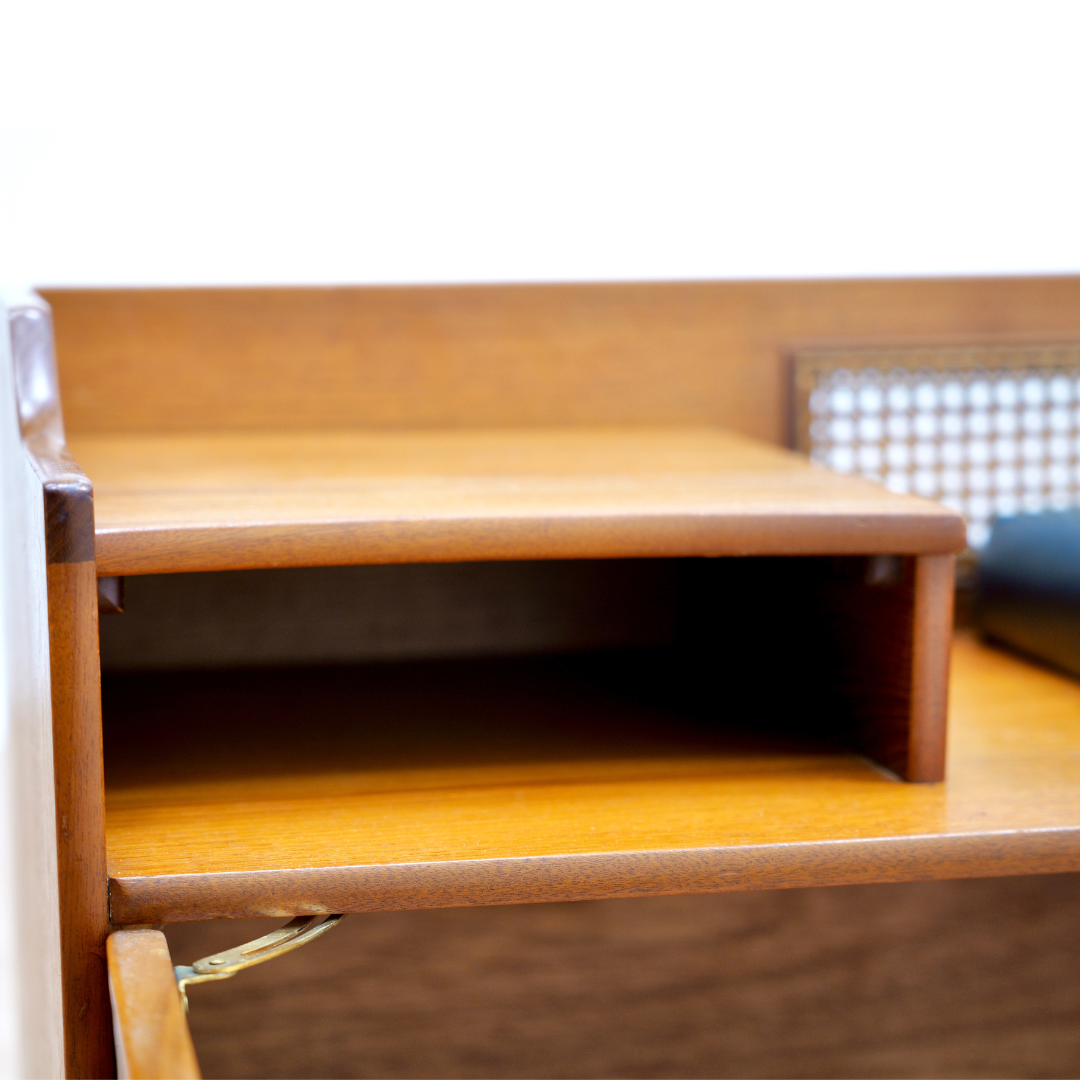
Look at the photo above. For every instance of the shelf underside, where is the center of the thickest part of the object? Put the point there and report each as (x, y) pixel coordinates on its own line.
(433, 784)
(244, 500)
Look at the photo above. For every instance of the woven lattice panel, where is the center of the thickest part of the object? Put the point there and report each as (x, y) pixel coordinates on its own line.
(991, 430)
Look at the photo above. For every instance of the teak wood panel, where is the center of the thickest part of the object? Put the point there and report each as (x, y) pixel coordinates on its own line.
(231, 501)
(67, 532)
(80, 806)
(151, 1031)
(171, 360)
(864, 641)
(537, 802)
(75, 684)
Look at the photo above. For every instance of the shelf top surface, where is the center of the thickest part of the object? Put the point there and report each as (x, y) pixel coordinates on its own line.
(212, 501)
(467, 774)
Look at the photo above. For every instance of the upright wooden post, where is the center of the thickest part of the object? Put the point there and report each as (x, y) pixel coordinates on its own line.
(75, 677)
(935, 583)
(80, 815)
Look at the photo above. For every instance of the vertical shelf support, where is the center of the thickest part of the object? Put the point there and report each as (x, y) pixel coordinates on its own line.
(74, 659)
(935, 583)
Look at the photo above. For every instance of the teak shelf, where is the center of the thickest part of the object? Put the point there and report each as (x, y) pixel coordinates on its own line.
(504, 783)
(229, 500)
(761, 746)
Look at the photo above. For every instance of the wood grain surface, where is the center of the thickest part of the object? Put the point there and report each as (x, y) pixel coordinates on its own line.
(446, 794)
(935, 587)
(348, 614)
(174, 360)
(971, 979)
(152, 1037)
(853, 678)
(80, 815)
(845, 628)
(227, 501)
(75, 690)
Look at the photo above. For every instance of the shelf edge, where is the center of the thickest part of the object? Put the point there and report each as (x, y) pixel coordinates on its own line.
(541, 879)
(338, 543)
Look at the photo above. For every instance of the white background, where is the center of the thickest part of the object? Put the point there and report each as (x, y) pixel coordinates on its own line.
(459, 141)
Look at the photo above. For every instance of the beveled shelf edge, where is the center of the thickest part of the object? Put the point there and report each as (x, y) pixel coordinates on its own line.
(254, 547)
(540, 879)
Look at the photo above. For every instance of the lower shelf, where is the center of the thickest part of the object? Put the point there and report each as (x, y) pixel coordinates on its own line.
(484, 782)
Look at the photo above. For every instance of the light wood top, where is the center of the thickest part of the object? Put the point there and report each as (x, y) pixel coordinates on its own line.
(426, 786)
(243, 500)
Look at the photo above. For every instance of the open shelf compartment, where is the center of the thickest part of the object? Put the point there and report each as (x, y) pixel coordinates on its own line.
(531, 779)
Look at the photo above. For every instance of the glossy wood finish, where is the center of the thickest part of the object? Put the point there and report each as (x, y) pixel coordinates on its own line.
(863, 640)
(227, 501)
(152, 1037)
(77, 754)
(75, 689)
(706, 353)
(935, 587)
(542, 799)
(80, 817)
(962, 979)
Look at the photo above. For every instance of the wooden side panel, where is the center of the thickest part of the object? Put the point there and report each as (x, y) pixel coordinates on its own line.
(80, 814)
(634, 353)
(886, 638)
(75, 684)
(935, 577)
(866, 618)
(345, 614)
(152, 1037)
(863, 644)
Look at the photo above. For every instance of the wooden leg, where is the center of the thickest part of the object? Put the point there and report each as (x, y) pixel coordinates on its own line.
(80, 816)
(153, 1041)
